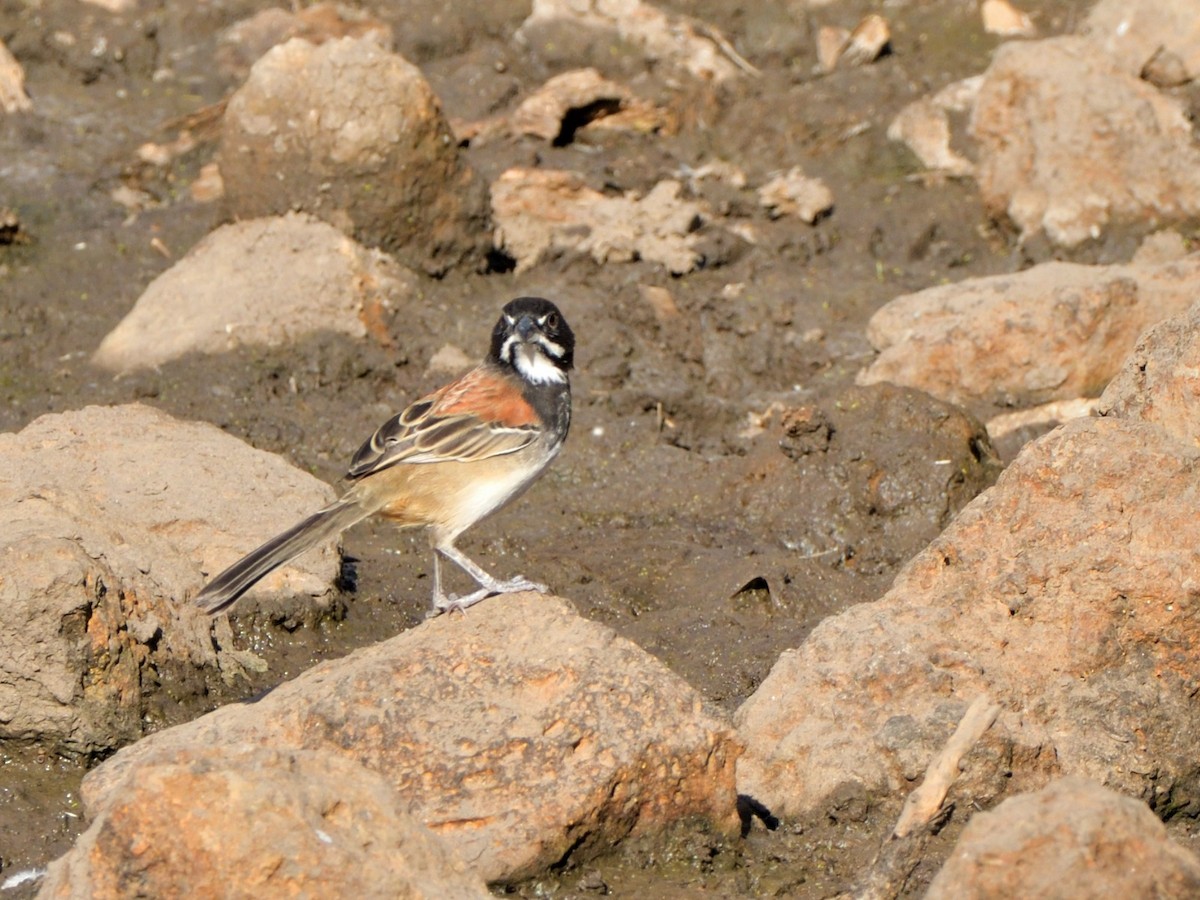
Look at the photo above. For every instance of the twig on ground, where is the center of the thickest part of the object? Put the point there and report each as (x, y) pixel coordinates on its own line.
(902, 850)
(926, 799)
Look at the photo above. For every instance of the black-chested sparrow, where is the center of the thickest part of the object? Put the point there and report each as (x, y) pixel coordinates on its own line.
(449, 459)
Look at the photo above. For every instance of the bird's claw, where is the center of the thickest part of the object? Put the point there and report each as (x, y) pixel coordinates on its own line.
(454, 603)
(449, 603)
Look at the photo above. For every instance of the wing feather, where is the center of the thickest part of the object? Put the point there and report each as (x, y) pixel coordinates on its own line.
(481, 415)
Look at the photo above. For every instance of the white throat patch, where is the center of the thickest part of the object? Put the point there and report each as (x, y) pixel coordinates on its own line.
(533, 364)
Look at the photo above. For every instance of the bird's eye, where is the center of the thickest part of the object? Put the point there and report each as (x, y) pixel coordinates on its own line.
(551, 321)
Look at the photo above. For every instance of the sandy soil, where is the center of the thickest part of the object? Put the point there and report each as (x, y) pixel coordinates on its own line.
(708, 548)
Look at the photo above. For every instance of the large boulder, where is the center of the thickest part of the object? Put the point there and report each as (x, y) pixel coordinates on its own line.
(111, 518)
(263, 282)
(353, 134)
(1067, 592)
(1054, 332)
(522, 734)
(1069, 140)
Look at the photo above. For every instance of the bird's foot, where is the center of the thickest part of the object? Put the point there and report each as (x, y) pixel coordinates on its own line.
(454, 603)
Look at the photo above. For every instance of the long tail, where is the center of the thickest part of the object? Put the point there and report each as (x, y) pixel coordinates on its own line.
(223, 590)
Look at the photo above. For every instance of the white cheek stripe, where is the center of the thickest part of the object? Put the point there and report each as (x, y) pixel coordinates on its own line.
(536, 367)
(555, 350)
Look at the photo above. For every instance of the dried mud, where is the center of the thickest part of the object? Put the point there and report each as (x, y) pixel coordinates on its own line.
(711, 549)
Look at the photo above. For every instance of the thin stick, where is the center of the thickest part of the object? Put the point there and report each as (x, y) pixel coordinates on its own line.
(901, 851)
(925, 801)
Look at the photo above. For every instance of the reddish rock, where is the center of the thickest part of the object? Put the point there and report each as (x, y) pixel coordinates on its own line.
(1072, 839)
(1067, 592)
(1057, 331)
(255, 822)
(521, 734)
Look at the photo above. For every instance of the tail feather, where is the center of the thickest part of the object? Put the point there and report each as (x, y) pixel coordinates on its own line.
(223, 590)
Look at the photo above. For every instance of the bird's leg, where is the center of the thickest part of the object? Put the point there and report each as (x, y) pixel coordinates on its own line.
(482, 578)
(443, 602)
(488, 585)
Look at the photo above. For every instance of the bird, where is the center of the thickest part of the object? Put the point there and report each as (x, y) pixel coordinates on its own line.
(448, 460)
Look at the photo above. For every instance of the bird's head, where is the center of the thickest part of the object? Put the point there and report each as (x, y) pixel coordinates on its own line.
(533, 337)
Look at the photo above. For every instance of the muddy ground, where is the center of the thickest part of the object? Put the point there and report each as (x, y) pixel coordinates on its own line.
(709, 547)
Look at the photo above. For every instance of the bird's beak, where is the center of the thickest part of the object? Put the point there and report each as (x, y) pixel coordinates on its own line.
(526, 328)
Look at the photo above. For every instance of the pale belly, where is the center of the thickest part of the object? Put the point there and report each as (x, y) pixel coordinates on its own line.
(450, 497)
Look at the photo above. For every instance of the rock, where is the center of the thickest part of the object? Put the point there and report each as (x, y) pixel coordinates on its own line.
(207, 186)
(522, 734)
(661, 301)
(448, 361)
(13, 97)
(959, 96)
(795, 194)
(682, 43)
(305, 277)
(719, 170)
(1040, 102)
(539, 212)
(1002, 18)
(575, 99)
(163, 155)
(1071, 839)
(1057, 331)
(1160, 247)
(12, 231)
(1165, 70)
(110, 518)
(354, 135)
(256, 822)
(542, 114)
(1066, 592)
(244, 42)
(925, 128)
(1160, 380)
(1133, 32)
(867, 42)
